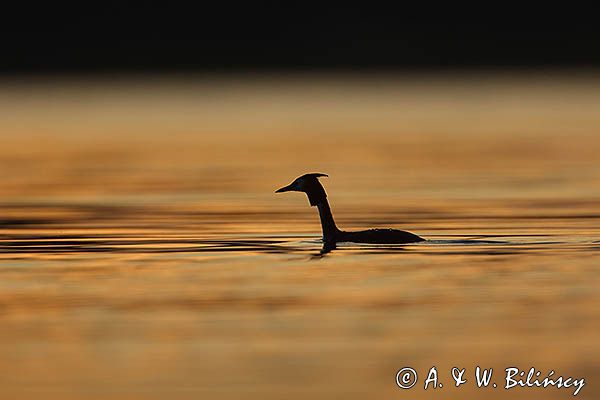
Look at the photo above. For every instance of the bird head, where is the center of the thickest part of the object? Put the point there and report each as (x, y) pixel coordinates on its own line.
(309, 184)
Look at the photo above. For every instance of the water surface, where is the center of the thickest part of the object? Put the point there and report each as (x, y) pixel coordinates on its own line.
(143, 253)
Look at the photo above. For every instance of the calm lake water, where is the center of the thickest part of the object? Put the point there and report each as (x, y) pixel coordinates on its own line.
(144, 255)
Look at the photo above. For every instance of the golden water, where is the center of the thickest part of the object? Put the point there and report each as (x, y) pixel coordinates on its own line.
(144, 255)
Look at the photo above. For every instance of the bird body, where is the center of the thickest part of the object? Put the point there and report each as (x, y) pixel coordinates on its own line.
(309, 184)
(378, 235)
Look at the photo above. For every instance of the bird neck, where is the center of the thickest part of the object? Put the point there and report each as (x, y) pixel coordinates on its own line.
(330, 230)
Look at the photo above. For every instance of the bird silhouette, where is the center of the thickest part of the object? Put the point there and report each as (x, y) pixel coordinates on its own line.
(309, 184)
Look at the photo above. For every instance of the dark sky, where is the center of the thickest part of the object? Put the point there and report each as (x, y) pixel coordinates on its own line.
(288, 38)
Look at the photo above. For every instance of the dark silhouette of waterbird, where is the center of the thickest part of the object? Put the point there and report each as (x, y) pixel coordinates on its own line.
(309, 184)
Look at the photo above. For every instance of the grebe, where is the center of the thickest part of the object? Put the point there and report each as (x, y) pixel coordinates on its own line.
(309, 184)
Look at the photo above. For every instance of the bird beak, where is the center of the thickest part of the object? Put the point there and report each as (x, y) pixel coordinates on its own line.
(287, 188)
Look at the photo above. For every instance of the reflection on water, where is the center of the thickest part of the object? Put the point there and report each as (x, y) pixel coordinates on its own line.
(143, 253)
(51, 244)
